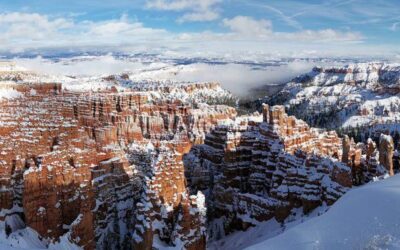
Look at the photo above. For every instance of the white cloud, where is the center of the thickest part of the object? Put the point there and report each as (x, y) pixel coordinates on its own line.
(248, 26)
(83, 66)
(30, 25)
(199, 16)
(121, 29)
(325, 35)
(195, 10)
(262, 29)
(243, 36)
(21, 31)
(178, 5)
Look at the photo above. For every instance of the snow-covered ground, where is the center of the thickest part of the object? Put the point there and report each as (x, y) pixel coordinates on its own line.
(364, 218)
(149, 78)
(263, 231)
(27, 238)
(354, 95)
(6, 93)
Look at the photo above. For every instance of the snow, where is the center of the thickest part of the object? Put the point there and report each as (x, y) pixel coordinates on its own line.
(364, 218)
(108, 72)
(231, 73)
(359, 72)
(41, 210)
(350, 96)
(386, 138)
(149, 147)
(263, 231)
(8, 93)
(201, 203)
(8, 66)
(64, 244)
(26, 238)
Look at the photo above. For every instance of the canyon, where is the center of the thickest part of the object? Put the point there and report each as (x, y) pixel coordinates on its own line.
(155, 165)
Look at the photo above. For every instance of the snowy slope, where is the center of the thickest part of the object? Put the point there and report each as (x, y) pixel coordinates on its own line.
(349, 96)
(27, 238)
(263, 231)
(364, 218)
(359, 73)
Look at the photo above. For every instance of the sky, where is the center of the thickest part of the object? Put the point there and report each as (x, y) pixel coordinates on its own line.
(220, 28)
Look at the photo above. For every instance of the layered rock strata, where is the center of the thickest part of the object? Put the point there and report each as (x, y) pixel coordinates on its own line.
(360, 98)
(66, 168)
(367, 160)
(258, 168)
(130, 169)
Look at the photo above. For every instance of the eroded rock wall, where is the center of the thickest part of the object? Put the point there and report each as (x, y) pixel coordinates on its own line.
(262, 167)
(66, 167)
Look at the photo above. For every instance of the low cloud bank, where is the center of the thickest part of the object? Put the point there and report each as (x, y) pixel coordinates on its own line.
(82, 66)
(237, 78)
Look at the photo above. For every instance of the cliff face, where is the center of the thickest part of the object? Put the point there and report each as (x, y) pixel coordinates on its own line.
(358, 95)
(274, 166)
(367, 74)
(133, 169)
(257, 168)
(68, 168)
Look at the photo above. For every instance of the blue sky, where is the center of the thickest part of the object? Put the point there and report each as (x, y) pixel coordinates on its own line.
(221, 27)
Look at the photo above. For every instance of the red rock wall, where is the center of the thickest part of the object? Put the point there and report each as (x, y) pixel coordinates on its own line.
(63, 160)
(257, 170)
(103, 166)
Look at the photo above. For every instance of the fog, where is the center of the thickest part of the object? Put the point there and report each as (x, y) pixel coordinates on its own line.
(86, 66)
(237, 78)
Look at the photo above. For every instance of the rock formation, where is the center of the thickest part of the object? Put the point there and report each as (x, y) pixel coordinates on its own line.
(152, 166)
(360, 98)
(352, 157)
(367, 161)
(386, 150)
(262, 167)
(67, 167)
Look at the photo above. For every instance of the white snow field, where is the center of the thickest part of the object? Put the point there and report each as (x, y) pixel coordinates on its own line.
(367, 217)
